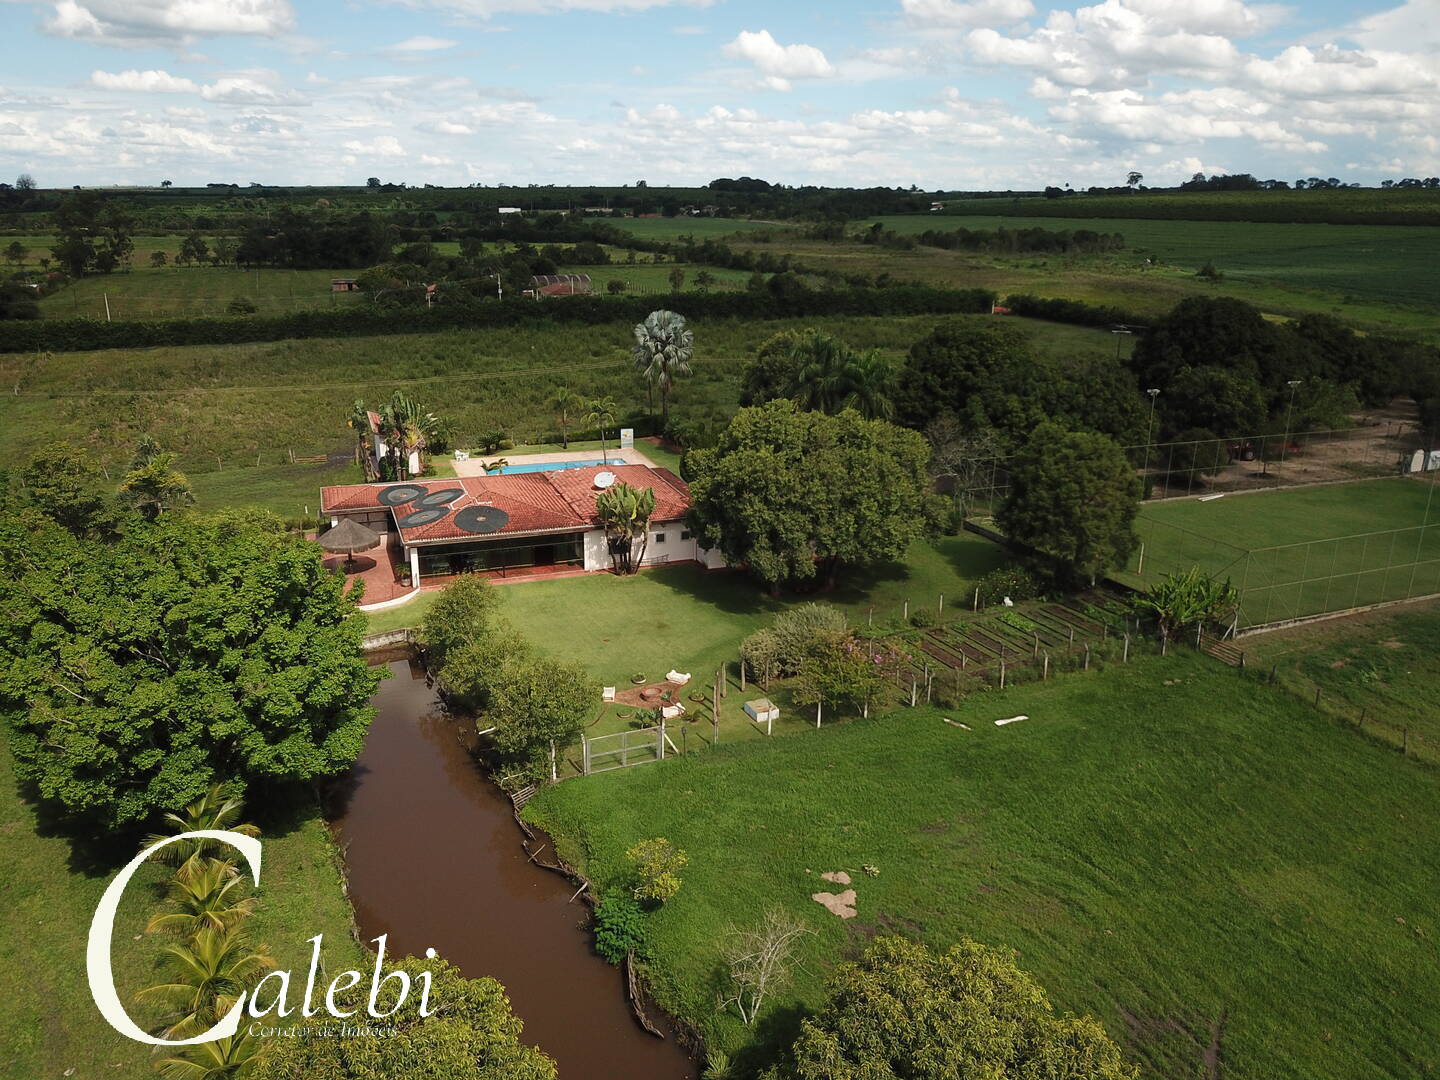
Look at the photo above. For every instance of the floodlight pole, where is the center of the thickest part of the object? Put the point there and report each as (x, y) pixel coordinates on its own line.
(1154, 392)
(1120, 331)
(1294, 385)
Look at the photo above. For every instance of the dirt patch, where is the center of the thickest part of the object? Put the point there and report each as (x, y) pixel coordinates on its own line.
(935, 828)
(837, 877)
(842, 904)
(1392, 644)
(1342, 662)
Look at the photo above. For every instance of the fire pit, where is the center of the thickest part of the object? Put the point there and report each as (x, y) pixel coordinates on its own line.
(650, 693)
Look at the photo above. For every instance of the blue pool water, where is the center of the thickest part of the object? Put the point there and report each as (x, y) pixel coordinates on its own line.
(550, 466)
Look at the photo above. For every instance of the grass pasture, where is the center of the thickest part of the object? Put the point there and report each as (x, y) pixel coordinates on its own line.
(1301, 551)
(178, 291)
(702, 228)
(1198, 862)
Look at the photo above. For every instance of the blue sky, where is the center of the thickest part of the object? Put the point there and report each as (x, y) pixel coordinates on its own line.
(940, 93)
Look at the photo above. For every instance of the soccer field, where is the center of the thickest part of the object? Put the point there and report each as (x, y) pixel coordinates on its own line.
(1303, 551)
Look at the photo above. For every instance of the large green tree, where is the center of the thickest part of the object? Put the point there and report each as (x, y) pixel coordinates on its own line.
(136, 673)
(791, 493)
(902, 1012)
(1073, 495)
(472, 1035)
(976, 367)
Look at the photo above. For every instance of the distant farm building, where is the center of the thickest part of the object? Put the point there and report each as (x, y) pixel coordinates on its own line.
(343, 284)
(559, 285)
(510, 210)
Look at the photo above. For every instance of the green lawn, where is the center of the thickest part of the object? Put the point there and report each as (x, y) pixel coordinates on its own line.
(48, 893)
(1383, 664)
(1185, 854)
(292, 491)
(689, 619)
(1358, 543)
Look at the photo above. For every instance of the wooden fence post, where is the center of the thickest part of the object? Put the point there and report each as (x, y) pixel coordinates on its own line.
(976, 606)
(1045, 671)
(660, 739)
(1035, 652)
(905, 616)
(1002, 672)
(1125, 655)
(554, 775)
(1087, 657)
(742, 675)
(1405, 746)
(584, 756)
(940, 608)
(817, 713)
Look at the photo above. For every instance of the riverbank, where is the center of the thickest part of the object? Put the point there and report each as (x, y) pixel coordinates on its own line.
(48, 894)
(1171, 847)
(435, 860)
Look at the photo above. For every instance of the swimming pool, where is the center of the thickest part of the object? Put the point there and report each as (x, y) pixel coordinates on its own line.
(550, 466)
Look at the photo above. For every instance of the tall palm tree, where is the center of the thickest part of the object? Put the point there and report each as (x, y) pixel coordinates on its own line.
(831, 376)
(567, 405)
(208, 973)
(662, 352)
(215, 811)
(203, 893)
(625, 512)
(601, 412)
(359, 423)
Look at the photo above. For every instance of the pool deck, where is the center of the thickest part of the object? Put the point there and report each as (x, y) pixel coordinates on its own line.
(476, 465)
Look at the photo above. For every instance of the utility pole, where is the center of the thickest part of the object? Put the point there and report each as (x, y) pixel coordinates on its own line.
(1154, 392)
(1294, 385)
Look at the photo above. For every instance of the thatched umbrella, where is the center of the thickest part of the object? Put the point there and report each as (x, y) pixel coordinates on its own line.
(349, 536)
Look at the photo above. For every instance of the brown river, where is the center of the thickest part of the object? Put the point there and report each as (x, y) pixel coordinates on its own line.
(434, 859)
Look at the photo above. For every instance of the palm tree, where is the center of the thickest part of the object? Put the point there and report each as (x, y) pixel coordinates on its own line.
(359, 422)
(203, 893)
(625, 512)
(831, 376)
(567, 403)
(406, 426)
(215, 811)
(601, 412)
(222, 1059)
(208, 974)
(662, 352)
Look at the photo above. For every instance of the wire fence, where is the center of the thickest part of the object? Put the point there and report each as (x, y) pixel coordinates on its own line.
(1239, 463)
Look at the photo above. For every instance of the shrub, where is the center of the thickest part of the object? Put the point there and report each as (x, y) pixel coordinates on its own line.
(657, 866)
(241, 305)
(1013, 581)
(619, 928)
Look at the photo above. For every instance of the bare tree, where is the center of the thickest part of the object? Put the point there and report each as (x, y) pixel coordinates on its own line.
(761, 961)
(965, 460)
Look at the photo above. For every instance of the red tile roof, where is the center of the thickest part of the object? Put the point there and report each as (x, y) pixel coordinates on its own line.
(562, 500)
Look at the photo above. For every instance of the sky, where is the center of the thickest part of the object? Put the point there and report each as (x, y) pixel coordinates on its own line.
(944, 94)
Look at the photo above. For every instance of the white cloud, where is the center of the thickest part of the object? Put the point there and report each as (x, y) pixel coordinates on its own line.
(422, 43)
(380, 146)
(971, 13)
(248, 90)
(484, 9)
(158, 22)
(152, 82)
(1330, 70)
(1413, 26)
(778, 63)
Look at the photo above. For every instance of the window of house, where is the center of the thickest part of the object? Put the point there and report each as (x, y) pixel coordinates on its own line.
(659, 538)
(685, 534)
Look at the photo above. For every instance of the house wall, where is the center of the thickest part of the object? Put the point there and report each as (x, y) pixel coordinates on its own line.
(597, 553)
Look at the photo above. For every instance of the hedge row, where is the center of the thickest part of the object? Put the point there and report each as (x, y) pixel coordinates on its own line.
(74, 335)
(1074, 311)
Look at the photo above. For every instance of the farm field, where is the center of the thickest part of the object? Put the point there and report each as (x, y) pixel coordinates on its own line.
(1351, 205)
(1390, 262)
(225, 407)
(175, 291)
(648, 278)
(49, 892)
(663, 228)
(1354, 544)
(1191, 859)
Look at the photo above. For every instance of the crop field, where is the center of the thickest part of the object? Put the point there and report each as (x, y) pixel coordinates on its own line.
(1205, 864)
(663, 228)
(172, 291)
(1301, 551)
(252, 405)
(1383, 262)
(1350, 206)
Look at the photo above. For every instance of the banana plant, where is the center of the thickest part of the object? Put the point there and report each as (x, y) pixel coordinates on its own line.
(625, 513)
